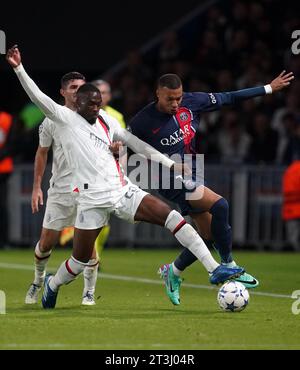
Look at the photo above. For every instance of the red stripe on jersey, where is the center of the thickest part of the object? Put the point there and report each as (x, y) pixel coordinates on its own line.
(103, 125)
(184, 118)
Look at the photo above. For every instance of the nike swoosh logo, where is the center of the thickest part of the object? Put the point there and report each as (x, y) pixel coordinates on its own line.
(155, 131)
(253, 282)
(171, 288)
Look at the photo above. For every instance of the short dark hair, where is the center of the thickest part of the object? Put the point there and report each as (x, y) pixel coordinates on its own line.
(86, 88)
(170, 80)
(71, 76)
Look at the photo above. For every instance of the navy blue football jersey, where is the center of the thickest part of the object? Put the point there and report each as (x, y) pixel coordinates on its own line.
(175, 134)
(171, 134)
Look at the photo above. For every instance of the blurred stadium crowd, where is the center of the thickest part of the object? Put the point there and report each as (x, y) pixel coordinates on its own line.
(233, 45)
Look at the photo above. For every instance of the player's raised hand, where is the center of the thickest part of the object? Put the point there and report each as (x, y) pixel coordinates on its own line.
(116, 148)
(282, 81)
(36, 199)
(13, 56)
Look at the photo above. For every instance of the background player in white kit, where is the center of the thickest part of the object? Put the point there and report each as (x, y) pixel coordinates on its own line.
(61, 203)
(86, 139)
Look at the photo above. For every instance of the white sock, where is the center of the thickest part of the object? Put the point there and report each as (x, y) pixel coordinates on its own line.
(230, 264)
(189, 238)
(40, 262)
(90, 274)
(176, 271)
(66, 273)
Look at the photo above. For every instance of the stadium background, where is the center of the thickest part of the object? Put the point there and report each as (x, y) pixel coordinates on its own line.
(222, 45)
(214, 46)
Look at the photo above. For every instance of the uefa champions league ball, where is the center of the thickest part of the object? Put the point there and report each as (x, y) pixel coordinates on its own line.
(233, 296)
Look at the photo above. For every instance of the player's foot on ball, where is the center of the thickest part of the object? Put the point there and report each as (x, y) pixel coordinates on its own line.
(223, 273)
(49, 297)
(247, 280)
(172, 283)
(32, 294)
(88, 299)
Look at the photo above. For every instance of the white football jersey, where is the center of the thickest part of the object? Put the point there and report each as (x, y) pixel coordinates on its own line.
(95, 172)
(87, 159)
(61, 179)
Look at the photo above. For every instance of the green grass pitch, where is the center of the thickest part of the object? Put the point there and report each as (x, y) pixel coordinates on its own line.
(133, 312)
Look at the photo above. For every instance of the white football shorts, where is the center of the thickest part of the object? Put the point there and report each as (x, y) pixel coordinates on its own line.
(60, 210)
(90, 217)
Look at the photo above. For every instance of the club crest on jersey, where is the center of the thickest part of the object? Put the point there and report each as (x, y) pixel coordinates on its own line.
(183, 116)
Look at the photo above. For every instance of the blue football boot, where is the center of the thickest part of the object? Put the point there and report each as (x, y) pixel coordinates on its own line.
(49, 297)
(223, 273)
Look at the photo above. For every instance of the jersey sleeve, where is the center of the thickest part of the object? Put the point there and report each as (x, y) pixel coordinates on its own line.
(140, 147)
(46, 133)
(202, 102)
(51, 109)
(208, 102)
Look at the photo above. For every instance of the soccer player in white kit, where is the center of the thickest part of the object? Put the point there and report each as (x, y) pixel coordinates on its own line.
(61, 203)
(86, 139)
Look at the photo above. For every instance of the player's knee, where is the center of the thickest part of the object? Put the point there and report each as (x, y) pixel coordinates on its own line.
(220, 208)
(48, 240)
(45, 245)
(165, 212)
(162, 210)
(153, 210)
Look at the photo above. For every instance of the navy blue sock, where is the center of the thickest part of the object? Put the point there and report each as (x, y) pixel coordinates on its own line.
(221, 230)
(186, 258)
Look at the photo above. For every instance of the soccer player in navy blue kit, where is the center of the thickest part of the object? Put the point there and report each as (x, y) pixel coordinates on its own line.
(169, 125)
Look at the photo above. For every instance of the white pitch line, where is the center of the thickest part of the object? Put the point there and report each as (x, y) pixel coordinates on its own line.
(144, 346)
(15, 266)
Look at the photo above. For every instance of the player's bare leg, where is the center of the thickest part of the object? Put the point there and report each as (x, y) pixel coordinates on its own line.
(102, 239)
(48, 240)
(203, 222)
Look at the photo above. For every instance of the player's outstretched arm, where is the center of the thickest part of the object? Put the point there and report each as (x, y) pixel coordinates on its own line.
(216, 100)
(46, 104)
(140, 147)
